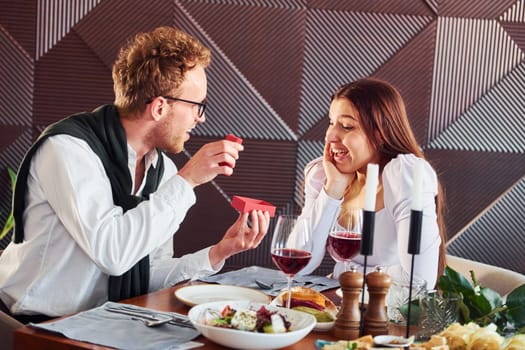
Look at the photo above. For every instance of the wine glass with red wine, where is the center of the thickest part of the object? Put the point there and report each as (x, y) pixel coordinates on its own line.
(291, 250)
(344, 239)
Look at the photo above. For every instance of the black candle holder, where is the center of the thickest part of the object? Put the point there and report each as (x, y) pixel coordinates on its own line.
(414, 245)
(366, 249)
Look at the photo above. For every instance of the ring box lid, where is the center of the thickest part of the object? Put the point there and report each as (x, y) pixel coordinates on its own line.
(231, 137)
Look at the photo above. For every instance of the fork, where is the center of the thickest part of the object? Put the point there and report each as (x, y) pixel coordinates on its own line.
(265, 285)
(159, 322)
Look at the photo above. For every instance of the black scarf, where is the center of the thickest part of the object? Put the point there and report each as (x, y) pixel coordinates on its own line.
(103, 132)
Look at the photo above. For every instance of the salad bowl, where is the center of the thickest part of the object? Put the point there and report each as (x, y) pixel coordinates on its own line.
(300, 325)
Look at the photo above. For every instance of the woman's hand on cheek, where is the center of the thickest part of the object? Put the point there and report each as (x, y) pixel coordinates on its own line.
(336, 182)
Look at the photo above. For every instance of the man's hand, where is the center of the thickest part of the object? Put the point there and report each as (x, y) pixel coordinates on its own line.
(204, 165)
(240, 236)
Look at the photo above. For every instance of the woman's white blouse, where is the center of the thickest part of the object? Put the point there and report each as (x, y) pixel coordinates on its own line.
(390, 244)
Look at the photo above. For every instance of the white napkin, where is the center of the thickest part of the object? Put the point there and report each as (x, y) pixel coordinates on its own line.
(247, 277)
(99, 326)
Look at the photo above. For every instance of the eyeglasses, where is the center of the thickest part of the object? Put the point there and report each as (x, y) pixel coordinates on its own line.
(201, 106)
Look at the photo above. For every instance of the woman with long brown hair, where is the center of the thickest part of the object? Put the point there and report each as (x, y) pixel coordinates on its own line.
(368, 124)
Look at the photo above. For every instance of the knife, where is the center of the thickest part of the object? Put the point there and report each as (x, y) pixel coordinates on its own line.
(152, 315)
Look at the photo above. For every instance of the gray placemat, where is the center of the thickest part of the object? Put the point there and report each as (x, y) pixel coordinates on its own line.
(249, 276)
(99, 326)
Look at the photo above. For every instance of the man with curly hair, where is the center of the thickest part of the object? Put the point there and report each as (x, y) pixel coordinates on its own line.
(97, 200)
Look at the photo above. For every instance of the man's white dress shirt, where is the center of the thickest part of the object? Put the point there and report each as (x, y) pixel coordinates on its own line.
(75, 237)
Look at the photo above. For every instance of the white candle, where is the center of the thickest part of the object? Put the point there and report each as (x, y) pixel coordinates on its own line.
(372, 180)
(417, 188)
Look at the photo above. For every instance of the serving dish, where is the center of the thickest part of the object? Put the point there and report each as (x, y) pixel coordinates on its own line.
(205, 293)
(301, 325)
(393, 341)
(364, 342)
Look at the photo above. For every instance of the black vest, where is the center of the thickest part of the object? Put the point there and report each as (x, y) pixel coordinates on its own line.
(103, 132)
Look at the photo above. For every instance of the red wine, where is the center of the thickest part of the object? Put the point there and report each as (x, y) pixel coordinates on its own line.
(290, 261)
(344, 245)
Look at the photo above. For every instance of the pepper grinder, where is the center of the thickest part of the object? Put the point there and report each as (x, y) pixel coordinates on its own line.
(348, 318)
(376, 320)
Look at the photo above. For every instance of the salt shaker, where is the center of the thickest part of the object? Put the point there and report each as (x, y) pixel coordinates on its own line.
(376, 320)
(348, 318)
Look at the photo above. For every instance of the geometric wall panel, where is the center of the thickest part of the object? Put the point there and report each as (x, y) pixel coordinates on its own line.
(419, 51)
(238, 43)
(56, 18)
(495, 123)
(84, 82)
(240, 91)
(472, 55)
(487, 9)
(343, 46)
(10, 133)
(12, 153)
(514, 13)
(107, 26)
(474, 181)
(236, 106)
(420, 8)
(517, 32)
(16, 82)
(18, 18)
(494, 229)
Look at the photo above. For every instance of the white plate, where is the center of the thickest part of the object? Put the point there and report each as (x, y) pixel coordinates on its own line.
(301, 324)
(205, 293)
(319, 326)
(324, 326)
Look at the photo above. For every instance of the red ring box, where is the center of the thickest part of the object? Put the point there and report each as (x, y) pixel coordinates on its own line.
(246, 204)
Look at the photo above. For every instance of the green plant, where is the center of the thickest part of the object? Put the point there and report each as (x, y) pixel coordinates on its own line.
(9, 223)
(483, 305)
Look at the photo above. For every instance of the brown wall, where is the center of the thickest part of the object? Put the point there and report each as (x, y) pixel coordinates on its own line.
(461, 69)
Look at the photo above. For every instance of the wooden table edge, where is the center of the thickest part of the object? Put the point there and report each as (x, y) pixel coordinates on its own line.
(27, 337)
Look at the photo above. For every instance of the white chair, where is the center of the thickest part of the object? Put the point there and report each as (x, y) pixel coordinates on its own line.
(496, 278)
(7, 326)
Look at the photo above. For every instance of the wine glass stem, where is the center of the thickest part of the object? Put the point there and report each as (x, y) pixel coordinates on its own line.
(289, 299)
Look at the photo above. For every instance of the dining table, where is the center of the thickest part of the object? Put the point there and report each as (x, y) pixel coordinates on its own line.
(28, 337)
